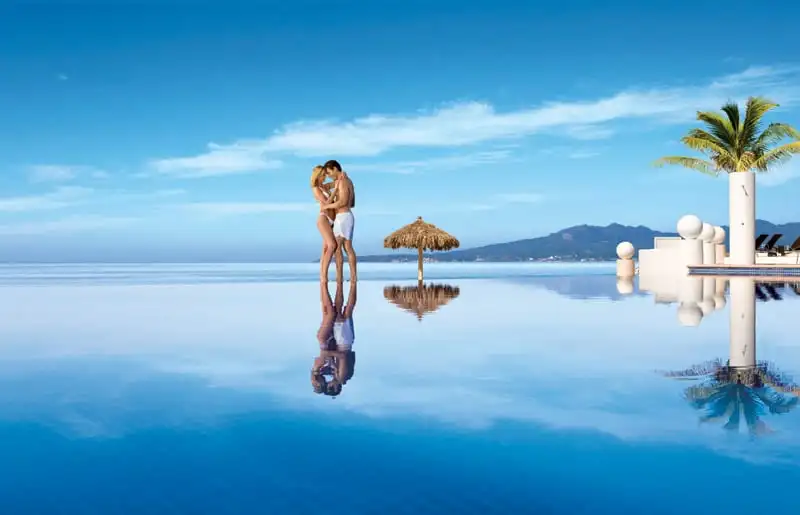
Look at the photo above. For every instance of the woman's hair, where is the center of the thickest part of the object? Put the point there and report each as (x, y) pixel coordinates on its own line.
(317, 176)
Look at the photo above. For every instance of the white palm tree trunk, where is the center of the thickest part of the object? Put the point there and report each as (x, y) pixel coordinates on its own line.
(743, 322)
(742, 214)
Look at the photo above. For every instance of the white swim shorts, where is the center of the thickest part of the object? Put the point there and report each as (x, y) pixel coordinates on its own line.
(343, 225)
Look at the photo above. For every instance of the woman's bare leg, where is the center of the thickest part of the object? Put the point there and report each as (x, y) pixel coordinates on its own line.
(328, 247)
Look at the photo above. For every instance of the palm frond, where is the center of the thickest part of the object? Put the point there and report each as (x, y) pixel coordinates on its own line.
(693, 163)
(720, 127)
(776, 156)
(774, 133)
(756, 108)
(731, 109)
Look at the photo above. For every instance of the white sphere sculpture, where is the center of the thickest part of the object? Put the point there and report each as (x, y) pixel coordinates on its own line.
(625, 250)
(689, 227)
(719, 302)
(689, 315)
(719, 235)
(706, 306)
(707, 232)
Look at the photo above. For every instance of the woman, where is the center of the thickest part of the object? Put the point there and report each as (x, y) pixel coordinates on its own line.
(323, 194)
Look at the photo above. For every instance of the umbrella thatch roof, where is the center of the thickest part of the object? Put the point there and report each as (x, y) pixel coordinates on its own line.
(421, 299)
(420, 234)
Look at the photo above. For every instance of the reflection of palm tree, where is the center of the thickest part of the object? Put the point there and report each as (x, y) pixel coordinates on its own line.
(732, 393)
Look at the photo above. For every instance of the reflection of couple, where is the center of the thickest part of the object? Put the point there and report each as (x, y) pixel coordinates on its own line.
(336, 362)
(335, 221)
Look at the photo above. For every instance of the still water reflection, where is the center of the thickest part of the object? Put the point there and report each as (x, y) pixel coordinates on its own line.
(520, 395)
(336, 362)
(741, 389)
(421, 299)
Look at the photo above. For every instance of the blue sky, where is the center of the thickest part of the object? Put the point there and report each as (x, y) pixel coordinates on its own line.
(175, 133)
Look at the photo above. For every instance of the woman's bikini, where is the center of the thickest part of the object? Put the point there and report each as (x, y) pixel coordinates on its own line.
(322, 211)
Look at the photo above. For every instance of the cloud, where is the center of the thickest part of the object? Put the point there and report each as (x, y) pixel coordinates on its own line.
(70, 224)
(245, 208)
(60, 198)
(233, 159)
(582, 154)
(781, 175)
(62, 173)
(62, 76)
(444, 163)
(469, 123)
(519, 198)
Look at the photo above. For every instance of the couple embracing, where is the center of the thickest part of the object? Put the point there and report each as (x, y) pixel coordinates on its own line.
(335, 221)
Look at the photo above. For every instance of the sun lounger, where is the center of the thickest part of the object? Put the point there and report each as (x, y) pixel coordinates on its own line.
(783, 249)
(760, 240)
(769, 246)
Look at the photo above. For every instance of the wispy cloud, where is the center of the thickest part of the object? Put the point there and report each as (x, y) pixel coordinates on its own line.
(781, 175)
(469, 123)
(60, 198)
(219, 160)
(62, 173)
(215, 209)
(70, 224)
(583, 154)
(62, 76)
(519, 198)
(441, 164)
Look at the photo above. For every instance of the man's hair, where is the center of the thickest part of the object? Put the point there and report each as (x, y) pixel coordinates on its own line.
(333, 164)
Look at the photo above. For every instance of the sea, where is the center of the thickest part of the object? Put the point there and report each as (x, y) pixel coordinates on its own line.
(539, 388)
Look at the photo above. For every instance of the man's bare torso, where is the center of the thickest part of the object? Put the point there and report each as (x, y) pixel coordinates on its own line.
(348, 192)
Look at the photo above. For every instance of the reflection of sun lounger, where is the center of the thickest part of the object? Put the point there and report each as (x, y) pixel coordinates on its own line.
(760, 240)
(773, 292)
(760, 293)
(795, 288)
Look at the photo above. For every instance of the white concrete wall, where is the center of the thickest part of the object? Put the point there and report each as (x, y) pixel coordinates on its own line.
(666, 242)
(659, 261)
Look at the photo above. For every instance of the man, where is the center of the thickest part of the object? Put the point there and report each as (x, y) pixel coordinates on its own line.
(343, 223)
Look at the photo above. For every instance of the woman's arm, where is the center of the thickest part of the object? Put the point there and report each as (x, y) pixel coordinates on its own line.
(320, 196)
(342, 194)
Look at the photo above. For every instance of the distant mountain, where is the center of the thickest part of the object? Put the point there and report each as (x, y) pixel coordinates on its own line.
(578, 243)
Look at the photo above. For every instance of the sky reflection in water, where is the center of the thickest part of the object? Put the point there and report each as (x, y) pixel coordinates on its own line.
(512, 394)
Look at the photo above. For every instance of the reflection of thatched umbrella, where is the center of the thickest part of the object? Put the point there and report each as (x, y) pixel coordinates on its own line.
(420, 235)
(420, 299)
(734, 393)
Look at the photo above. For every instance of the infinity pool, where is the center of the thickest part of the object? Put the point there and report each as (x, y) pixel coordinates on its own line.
(535, 390)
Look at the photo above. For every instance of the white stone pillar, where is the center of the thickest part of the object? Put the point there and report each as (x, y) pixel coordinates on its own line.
(691, 248)
(690, 295)
(707, 304)
(742, 214)
(743, 323)
(707, 237)
(719, 245)
(625, 265)
(719, 293)
(625, 285)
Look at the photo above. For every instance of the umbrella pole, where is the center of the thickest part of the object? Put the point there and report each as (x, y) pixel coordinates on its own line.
(419, 263)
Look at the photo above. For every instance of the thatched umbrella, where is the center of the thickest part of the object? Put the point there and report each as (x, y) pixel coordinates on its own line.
(421, 299)
(422, 236)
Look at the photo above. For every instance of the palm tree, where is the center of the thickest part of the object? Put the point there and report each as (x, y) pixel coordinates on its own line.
(739, 147)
